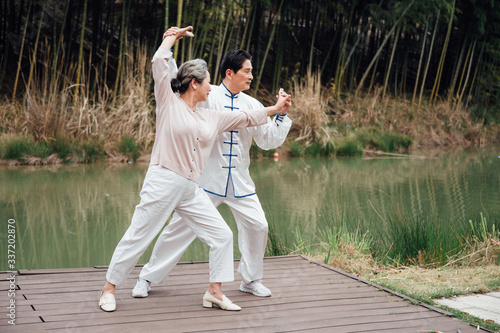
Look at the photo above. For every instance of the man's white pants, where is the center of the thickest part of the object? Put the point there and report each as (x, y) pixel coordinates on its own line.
(176, 237)
(162, 192)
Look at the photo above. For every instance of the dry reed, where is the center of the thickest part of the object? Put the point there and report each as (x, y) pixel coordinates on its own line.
(439, 124)
(434, 283)
(350, 259)
(52, 107)
(133, 111)
(477, 252)
(52, 159)
(310, 109)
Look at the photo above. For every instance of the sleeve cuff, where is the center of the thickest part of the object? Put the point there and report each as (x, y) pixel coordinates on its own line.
(279, 118)
(162, 53)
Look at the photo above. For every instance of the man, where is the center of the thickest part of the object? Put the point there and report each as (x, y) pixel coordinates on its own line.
(227, 180)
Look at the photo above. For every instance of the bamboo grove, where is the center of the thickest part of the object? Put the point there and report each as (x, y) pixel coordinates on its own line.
(419, 50)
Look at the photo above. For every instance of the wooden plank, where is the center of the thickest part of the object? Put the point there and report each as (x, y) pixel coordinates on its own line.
(239, 322)
(313, 321)
(179, 303)
(381, 288)
(132, 309)
(70, 286)
(5, 281)
(56, 271)
(4, 276)
(307, 296)
(427, 325)
(207, 315)
(98, 282)
(171, 297)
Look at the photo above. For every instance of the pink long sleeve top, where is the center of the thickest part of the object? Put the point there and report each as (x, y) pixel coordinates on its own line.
(185, 136)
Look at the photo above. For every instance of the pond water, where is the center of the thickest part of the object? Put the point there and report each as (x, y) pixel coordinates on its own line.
(73, 216)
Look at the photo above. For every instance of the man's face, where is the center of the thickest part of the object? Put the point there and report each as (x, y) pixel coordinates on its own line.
(242, 79)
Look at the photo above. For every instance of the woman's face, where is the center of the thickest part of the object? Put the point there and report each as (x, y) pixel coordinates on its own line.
(204, 88)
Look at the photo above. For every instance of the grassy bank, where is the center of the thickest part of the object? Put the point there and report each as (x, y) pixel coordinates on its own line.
(57, 121)
(402, 245)
(408, 256)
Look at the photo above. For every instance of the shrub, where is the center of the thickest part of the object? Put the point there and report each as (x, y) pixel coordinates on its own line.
(62, 146)
(387, 141)
(17, 148)
(41, 150)
(314, 149)
(349, 147)
(91, 152)
(296, 149)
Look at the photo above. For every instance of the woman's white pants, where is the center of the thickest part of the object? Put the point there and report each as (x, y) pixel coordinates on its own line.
(162, 192)
(176, 237)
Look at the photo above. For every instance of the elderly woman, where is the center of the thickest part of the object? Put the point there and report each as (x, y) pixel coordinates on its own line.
(184, 138)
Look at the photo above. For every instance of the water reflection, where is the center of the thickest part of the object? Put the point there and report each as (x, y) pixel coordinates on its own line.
(73, 216)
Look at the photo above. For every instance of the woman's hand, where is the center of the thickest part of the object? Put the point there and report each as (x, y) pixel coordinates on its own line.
(284, 101)
(178, 32)
(282, 105)
(173, 34)
(288, 102)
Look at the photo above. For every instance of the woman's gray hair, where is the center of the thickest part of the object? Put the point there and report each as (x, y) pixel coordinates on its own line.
(193, 69)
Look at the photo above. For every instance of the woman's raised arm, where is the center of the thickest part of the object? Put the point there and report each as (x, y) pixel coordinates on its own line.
(173, 34)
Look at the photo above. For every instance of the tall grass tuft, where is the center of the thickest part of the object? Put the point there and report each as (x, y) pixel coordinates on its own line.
(332, 242)
(481, 246)
(426, 241)
(349, 251)
(275, 243)
(418, 240)
(342, 242)
(310, 108)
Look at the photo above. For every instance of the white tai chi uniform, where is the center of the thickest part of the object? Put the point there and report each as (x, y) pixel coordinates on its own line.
(227, 180)
(184, 139)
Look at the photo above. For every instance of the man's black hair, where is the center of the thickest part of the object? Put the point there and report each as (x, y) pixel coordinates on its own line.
(234, 60)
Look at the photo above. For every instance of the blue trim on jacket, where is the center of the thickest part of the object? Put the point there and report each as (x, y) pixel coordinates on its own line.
(279, 117)
(225, 195)
(232, 142)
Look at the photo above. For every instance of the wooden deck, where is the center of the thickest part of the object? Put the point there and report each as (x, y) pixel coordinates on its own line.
(307, 297)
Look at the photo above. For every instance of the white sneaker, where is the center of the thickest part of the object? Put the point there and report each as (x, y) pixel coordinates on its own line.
(141, 288)
(256, 288)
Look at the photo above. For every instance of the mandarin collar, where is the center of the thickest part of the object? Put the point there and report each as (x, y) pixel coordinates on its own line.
(228, 92)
